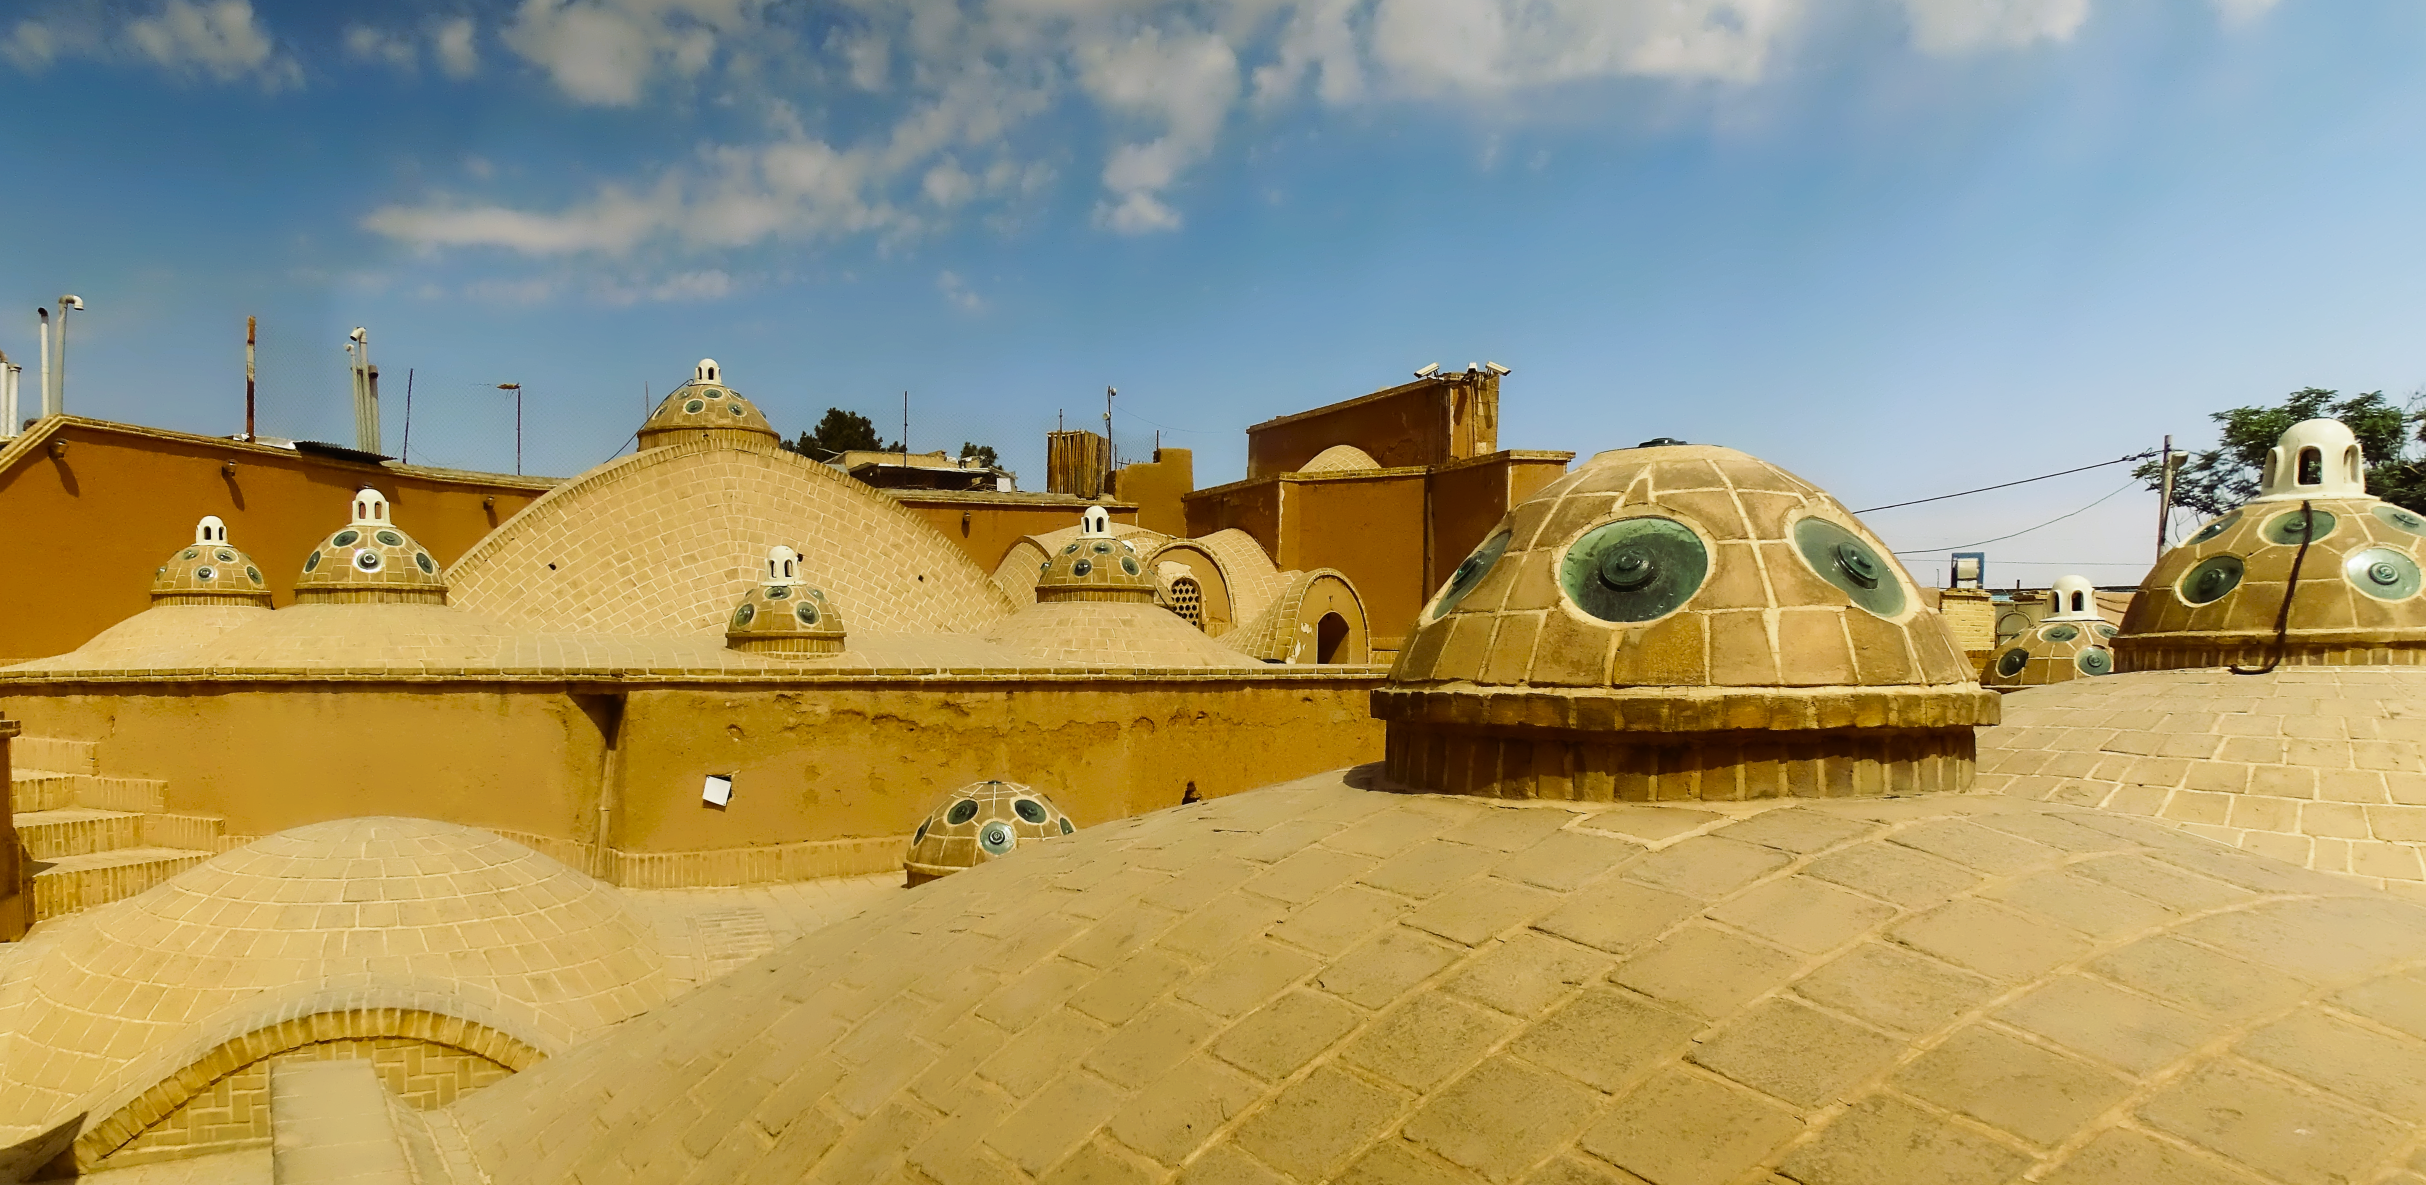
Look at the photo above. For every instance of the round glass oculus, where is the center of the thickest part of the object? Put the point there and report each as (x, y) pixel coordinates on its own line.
(736, 409)
(2297, 527)
(253, 574)
(996, 837)
(205, 573)
(190, 553)
(806, 612)
(779, 592)
(2382, 573)
(1070, 550)
(367, 560)
(921, 837)
(1469, 573)
(2213, 529)
(1082, 567)
(2104, 630)
(2096, 660)
(1030, 809)
(1066, 828)
(695, 406)
(2208, 580)
(344, 538)
(1857, 569)
(311, 561)
(744, 615)
(2011, 662)
(1103, 549)
(1128, 564)
(961, 812)
(422, 560)
(2060, 633)
(2400, 519)
(224, 556)
(388, 538)
(1634, 569)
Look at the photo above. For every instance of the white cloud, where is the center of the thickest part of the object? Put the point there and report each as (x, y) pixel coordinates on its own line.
(1959, 26)
(606, 52)
(1185, 84)
(957, 291)
(2241, 12)
(451, 42)
(217, 38)
(362, 41)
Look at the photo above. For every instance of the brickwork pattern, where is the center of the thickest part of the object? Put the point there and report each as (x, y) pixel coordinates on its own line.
(153, 638)
(2323, 767)
(1252, 579)
(1022, 562)
(704, 410)
(1761, 617)
(1313, 982)
(208, 574)
(1340, 458)
(120, 1005)
(234, 1112)
(980, 822)
(665, 541)
(1110, 635)
(2164, 630)
(1285, 632)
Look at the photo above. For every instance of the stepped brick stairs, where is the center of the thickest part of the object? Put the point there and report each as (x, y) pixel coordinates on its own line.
(95, 839)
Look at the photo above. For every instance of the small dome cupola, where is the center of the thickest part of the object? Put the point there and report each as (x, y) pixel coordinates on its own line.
(2314, 459)
(2229, 594)
(782, 614)
(705, 408)
(2072, 641)
(1095, 566)
(210, 572)
(981, 822)
(370, 560)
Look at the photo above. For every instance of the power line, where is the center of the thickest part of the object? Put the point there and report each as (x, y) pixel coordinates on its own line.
(2026, 530)
(2140, 456)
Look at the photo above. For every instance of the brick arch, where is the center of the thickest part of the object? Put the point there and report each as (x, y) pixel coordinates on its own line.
(113, 1136)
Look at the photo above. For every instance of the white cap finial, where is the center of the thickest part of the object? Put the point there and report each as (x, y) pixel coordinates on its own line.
(706, 371)
(2073, 599)
(210, 530)
(370, 508)
(1094, 521)
(2314, 459)
(783, 565)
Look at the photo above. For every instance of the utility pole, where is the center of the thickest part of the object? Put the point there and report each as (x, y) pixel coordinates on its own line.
(249, 329)
(42, 324)
(905, 429)
(516, 388)
(55, 403)
(2164, 502)
(407, 458)
(1111, 452)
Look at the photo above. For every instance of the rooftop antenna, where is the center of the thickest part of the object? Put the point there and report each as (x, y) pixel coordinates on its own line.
(249, 329)
(905, 429)
(1111, 451)
(56, 402)
(516, 388)
(407, 458)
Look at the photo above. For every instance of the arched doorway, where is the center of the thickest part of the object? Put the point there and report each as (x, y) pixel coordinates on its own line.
(1329, 633)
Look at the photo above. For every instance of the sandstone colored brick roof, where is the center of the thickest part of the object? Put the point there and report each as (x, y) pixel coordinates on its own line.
(665, 542)
(2323, 767)
(1254, 579)
(106, 1013)
(1016, 573)
(1313, 982)
(1340, 458)
(1109, 634)
(1274, 635)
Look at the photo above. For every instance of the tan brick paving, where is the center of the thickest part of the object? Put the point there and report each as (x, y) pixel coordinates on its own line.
(2064, 991)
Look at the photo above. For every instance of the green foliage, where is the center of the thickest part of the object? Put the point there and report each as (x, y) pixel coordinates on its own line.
(840, 432)
(983, 454)
(2215, 481)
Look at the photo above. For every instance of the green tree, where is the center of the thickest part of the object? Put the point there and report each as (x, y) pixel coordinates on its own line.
(983, 454)
(2215, 481)
(840, 432)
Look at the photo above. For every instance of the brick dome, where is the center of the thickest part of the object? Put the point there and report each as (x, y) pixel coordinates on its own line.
(785, 614)
(2073, 641)
(209, 572)
(980, 822)
(704, 407)
(370, 560)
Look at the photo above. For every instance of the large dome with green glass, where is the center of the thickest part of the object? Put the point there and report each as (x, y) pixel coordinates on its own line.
(1669, 598)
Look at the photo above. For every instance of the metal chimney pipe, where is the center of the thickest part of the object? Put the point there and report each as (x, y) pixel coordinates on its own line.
(58, 396)
(366, 423)
(369, 432)
(8, 397)
(248, 380)
(43, 321)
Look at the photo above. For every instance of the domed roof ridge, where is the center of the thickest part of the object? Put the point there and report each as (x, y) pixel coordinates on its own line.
(784, 614)
(1096, 565)
(209, 572)
(704, 407)
(370, 559)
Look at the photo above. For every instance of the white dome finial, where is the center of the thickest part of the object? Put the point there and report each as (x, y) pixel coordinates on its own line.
(1094, 521)
(2314, 459)
(2073, 599)
(783, 565)
(210, 530)
(707, 371)
(370, 508)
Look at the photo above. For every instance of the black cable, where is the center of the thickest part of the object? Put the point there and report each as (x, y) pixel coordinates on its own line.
(2026, 530)
(2142, 456)
(2282, 616)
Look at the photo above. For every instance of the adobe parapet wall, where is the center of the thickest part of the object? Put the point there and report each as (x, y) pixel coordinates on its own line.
(831, 770)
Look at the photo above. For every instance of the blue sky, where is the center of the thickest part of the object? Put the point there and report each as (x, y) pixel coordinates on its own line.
(1899, 246)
